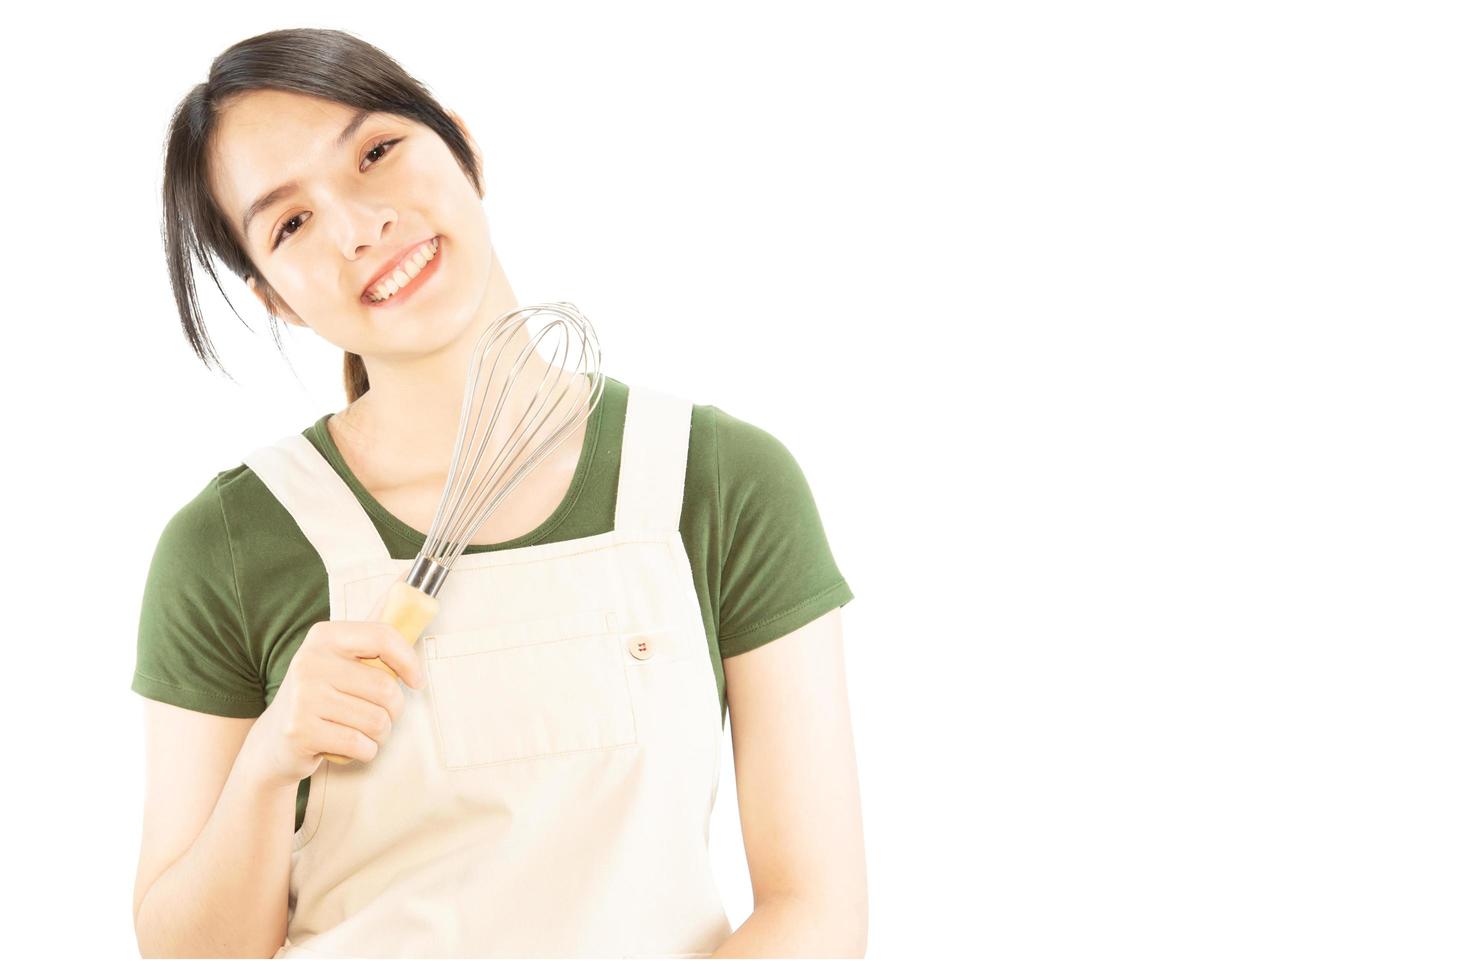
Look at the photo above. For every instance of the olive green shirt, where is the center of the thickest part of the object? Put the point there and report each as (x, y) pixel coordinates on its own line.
(234, 585)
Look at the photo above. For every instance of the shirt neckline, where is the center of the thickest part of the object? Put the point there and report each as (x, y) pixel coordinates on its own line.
(418, 538)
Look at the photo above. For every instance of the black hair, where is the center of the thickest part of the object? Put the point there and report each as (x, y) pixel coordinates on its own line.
(328, 64)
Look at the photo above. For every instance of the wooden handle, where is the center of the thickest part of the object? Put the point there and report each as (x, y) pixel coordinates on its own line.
(408, 611)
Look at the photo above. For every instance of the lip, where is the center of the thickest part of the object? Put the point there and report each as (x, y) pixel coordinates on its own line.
(392, 263)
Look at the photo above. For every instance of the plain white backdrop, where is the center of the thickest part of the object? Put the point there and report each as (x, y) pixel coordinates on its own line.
(1122, 346)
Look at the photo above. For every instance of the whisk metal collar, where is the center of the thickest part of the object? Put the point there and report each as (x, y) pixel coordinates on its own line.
(427, 575)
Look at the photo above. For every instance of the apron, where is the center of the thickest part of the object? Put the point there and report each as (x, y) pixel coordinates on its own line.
(548, 792)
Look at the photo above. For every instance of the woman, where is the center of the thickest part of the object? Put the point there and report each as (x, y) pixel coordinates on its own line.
(542, 788)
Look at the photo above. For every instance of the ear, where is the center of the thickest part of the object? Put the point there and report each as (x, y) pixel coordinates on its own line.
(272, 303)
(464, 128)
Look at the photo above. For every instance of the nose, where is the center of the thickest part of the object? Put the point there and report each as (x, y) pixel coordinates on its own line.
(366, 230)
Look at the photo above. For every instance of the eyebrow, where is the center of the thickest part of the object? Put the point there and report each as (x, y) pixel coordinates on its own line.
(266, 200)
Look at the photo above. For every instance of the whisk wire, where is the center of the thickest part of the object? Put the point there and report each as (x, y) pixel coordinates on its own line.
(474, 489)
(512, 447)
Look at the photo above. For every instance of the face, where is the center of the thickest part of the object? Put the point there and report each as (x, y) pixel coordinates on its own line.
(360, 205)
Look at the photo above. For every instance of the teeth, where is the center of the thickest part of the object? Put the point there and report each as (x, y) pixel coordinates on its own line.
(384, 288)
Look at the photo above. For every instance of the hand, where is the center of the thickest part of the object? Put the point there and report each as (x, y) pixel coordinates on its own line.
(335, 699)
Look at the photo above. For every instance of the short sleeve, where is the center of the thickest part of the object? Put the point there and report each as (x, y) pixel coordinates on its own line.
(193, 648)
(777, 572)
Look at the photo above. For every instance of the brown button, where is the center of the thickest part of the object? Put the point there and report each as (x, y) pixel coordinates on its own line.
(640, 646)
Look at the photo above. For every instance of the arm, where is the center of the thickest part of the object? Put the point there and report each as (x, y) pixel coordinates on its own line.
(213, 873)
(799, 804)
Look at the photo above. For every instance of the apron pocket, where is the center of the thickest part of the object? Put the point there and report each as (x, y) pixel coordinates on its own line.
(524, 690)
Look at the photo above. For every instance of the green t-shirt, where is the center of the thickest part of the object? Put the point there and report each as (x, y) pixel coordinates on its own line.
(234, 585)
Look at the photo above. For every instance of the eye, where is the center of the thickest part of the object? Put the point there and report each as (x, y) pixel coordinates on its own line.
(382, 145)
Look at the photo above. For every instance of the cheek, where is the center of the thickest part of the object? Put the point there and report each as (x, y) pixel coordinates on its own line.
(292, 290)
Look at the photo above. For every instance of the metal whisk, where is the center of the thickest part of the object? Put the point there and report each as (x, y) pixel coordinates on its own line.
(492, 456)
(561, 399)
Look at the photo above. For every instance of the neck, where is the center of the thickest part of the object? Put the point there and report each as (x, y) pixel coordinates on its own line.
(408, 420)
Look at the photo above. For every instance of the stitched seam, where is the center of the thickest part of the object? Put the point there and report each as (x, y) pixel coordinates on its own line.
(630, 537)
(718, 521)
(190, 690)
(488, 634)
(796, 608)
(234, 574)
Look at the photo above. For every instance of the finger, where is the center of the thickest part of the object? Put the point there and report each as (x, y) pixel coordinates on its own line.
(345, 740)
(371, 640)
(365, 715)
(399, 655)
(403, 658)
(360, 680)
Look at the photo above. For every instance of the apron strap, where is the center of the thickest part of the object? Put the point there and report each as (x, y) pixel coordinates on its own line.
(654, 460)
(322, 504)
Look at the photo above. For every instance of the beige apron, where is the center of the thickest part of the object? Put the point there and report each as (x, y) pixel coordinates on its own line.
(548, 792)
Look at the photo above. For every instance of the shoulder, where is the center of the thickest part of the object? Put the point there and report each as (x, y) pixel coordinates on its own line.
(776, 570)
(193, 649)
(205, 521)
(224, 535)
(753, 468)
(737, 462)
(744, 446)
(753, 533)
(200, 524)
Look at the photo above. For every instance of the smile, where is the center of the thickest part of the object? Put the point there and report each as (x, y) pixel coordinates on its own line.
(407, 271)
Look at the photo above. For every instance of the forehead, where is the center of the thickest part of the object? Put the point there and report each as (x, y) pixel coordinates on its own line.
(264, 138)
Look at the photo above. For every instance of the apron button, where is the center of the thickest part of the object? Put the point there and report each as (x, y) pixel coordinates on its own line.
(640, 647)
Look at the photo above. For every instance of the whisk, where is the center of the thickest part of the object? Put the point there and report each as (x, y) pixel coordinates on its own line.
(563, 398)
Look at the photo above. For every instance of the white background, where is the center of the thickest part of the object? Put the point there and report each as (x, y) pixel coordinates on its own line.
(1122, 346)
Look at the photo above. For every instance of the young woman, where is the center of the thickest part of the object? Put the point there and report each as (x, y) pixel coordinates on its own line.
(542, 786)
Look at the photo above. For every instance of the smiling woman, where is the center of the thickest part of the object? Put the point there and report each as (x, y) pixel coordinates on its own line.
(203, 218)
(662, 570)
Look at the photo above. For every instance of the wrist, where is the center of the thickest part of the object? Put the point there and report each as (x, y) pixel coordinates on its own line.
(253, 772)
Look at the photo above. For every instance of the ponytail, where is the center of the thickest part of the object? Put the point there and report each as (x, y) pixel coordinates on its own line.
(354, 376)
